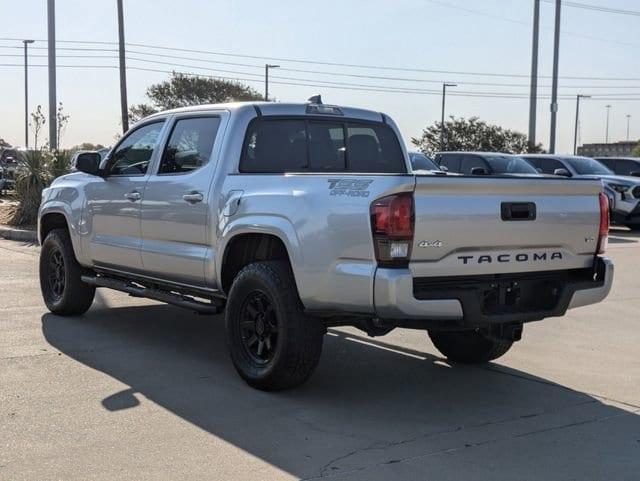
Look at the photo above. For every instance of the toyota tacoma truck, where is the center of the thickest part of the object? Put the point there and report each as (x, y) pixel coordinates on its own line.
(294, 218)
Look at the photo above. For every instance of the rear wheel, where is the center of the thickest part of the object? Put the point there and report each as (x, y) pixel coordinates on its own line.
(273, 344)
(63, 291)
(469, 347)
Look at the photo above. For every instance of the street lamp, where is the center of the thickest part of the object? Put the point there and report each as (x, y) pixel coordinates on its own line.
(628, 121)
(266, 80)
(442, 128)
(606, 135)
(26, 94)
(575, 133)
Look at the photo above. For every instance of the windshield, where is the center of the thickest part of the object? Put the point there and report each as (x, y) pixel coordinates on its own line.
(422, 162)
(588, 166)
(509, 164)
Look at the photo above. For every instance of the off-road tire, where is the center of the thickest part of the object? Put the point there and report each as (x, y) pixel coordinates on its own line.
(469, 347)
(74, 297)
(298, 341)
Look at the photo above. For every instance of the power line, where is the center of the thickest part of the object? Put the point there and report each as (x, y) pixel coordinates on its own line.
(597, 8)
(313, 62)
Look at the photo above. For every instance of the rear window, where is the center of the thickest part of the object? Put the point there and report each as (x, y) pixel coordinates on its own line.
(301, 145)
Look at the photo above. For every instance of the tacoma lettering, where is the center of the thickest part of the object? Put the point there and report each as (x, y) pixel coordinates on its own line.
(522, 257)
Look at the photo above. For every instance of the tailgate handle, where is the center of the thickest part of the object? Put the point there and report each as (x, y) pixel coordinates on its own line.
(518, 211)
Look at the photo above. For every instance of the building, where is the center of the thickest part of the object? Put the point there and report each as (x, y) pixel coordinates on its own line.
(616, 149)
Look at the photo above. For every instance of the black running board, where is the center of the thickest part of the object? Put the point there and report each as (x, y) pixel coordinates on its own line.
(137, 290)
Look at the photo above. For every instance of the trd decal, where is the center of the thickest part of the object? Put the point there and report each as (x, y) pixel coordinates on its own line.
(349, 187)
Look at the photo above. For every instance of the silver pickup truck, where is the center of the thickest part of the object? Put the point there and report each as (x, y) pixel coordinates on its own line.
(293, 218)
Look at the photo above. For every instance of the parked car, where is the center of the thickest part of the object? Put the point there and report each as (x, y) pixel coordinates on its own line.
(298, 217)
(484, 163)
(9, 164)
(622, 165)
(624, 191)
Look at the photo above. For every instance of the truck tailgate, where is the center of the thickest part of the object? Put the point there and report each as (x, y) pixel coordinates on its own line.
(493, 225)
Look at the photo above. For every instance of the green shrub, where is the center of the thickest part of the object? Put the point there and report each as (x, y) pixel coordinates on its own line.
(33, 175)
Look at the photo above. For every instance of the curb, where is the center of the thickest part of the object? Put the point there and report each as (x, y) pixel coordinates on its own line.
(18, 234)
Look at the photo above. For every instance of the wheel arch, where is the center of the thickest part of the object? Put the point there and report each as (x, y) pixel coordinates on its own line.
(246, 244)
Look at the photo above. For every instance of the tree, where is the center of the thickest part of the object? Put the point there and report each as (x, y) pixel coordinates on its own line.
(86, 146)
(183, 90)
(472, 134)
(636, 150)
(4, 144)
(62, 121)
(37, 122)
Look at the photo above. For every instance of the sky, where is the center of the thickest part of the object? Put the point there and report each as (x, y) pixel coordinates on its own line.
(492, 37)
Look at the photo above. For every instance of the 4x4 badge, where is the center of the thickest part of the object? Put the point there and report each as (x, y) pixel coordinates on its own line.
(431, 243)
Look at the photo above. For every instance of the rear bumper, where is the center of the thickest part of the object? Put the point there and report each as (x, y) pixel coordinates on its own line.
(481, 300)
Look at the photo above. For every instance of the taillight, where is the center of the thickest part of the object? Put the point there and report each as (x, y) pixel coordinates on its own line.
(603, 234)
(392, 220)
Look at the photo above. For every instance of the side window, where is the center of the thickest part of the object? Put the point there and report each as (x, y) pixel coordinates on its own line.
(373, 148)
(625, 167)
(469, 162)
(275, 146)
(326, 146)
(451, 162)
(132, 156)
(613, 165)
(537, 164)
(551, 165)
(189, 146)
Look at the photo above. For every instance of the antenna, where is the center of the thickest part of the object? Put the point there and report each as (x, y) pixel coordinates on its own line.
(316, 99)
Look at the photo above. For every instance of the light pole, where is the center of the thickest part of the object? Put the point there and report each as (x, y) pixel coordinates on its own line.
(444, 96)
(575, 133)
(606, 135)
(554, 83)
(26, 94)
(266, 80)
(628, 121)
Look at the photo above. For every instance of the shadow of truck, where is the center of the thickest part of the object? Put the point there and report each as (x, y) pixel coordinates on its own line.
(371, 411)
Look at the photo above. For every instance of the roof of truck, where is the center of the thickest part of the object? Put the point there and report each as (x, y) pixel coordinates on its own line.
(277, 108)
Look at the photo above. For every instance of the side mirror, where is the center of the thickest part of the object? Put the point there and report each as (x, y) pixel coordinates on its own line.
(635, 173)
(539, 170)
(444, 168)
(479, 171)
(562, 172)
(88, 162)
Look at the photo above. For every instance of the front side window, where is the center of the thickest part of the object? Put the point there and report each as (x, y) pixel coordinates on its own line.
(134, 153)
(300, 145)
(190, 145)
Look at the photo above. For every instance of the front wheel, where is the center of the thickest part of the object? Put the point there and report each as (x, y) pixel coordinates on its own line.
(62, 289)
(273, 344)
(469, 347)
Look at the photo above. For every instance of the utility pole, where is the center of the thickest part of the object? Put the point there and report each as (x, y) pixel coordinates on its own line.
(533, 99)
(266, 80)
(442, 128)
(124, 105)
(554, 86)
(26, 94)
(628, 122)
(606, 135)
(51, 45)
(575, 133)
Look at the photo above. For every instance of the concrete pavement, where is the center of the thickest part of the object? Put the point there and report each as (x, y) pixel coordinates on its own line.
(139, 390)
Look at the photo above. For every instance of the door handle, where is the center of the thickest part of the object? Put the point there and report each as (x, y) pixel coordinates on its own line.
(193, 197)
(133, 196)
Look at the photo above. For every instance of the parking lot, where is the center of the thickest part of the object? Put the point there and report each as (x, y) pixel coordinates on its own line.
(139, 390)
